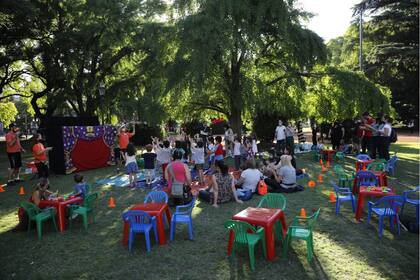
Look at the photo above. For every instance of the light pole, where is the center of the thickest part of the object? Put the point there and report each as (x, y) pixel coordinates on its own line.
(101, 98)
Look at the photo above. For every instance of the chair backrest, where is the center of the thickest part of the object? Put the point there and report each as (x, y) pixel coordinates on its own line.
(366, 178)
(273, 200)
(390, 202)
(363, 157)
(187, 208)
(338, 190)
(89, 199)
(240, 230)
(31, 209)
(136, 217)
(338, 169)
(313, 218)
(156, 196)
(408, 192)
(376, 166)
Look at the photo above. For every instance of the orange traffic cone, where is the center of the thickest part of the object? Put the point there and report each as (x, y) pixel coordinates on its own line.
(311, 184)
(320, 179)
(2, 188)
(302, 213)
(22, 191)
(332, 198)
(111, 202)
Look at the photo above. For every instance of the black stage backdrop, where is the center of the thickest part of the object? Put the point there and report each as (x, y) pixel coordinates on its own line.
(51, 129)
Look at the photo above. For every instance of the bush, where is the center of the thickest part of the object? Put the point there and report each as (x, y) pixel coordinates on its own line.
(193, 127)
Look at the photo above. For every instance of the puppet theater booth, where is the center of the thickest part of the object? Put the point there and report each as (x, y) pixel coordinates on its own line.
(79, 144)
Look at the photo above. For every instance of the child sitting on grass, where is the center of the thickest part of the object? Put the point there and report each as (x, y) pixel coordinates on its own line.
(149, 164)
(131, 164)
(80, 187)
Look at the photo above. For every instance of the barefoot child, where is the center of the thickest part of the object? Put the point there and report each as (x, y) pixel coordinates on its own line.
(131, 164)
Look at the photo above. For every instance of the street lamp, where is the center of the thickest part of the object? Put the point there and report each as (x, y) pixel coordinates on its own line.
(101, 98)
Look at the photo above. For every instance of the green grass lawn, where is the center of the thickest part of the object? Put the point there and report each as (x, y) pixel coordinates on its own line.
(344, 249)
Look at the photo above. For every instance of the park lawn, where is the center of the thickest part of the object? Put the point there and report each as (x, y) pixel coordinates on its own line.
(344, 249)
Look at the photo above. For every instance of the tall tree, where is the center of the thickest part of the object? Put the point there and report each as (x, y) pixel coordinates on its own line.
(233, 53)
(391, 50)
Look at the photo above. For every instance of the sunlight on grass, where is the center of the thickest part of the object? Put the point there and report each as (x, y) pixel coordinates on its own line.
(8, 221)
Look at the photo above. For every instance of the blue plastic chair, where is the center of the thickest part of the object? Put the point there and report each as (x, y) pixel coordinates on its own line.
(366, 178)
(343, 195)
(183, 215)
(363, 157)
(386, 207)
(156, 196)
(391, 165)
(140, 222)
(412, 201)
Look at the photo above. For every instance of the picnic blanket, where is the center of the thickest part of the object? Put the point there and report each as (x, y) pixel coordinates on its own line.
(120, 180)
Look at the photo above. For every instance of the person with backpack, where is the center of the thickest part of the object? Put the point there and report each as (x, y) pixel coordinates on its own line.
(178, 176)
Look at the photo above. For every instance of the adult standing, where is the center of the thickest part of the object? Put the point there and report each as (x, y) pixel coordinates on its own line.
(124, 139)
(314, 128)
(14, 149)
(280, 136)
(376, 136)
(336, 135)
(178, 175)
(229, 137)
(368, 121)
(384, 138)
(40, 154)
(290, 140)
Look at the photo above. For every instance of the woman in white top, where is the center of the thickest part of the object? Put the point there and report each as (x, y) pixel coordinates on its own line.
(249, 177)
(384, 138)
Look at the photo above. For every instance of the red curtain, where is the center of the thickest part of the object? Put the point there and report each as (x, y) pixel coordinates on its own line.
(90, 154)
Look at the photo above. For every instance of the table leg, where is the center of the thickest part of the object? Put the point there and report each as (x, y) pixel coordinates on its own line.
(125, 233)
(359, 209)
(168, 216)
(61, 217)
(161, 230)
(283, 224)
(230, 243)
(355, 190)
(269, 241)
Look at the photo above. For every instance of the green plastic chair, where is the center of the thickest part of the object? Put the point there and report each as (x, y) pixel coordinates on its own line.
(274, 201)
(339, 156)
(302, 228)
(83, 210)
(345, 180)
(376, 166)
(38, 215)
(243, 237)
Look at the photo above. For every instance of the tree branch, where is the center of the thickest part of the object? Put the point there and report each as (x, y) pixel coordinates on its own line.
(14, 94)
(209, 106)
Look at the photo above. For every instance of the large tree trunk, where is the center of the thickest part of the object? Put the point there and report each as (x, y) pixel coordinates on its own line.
(235, 96)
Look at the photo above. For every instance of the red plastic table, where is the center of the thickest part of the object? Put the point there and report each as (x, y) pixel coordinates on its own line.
(362, 164)
(364, 192)
(265, 218)
(329, 154)
(380, 175)
(61, 206)
(153, 209)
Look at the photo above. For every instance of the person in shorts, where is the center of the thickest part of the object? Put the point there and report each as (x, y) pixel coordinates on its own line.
(198, 158)
(149, 164)
(14, 150)
(124, 139)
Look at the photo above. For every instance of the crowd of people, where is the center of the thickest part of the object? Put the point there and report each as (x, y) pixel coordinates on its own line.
(172, 157)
